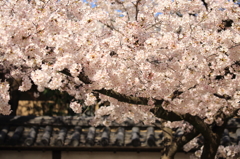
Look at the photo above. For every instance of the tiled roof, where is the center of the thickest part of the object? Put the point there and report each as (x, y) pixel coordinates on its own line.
(75, 133)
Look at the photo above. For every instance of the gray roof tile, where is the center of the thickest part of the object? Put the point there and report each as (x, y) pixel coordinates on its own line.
(75, 133)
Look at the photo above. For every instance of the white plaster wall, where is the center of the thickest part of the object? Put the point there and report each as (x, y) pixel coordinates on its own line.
(117, 155)
(25, 155)
(85, 155)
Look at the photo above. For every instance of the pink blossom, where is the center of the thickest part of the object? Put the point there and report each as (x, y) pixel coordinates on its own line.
(76, 107)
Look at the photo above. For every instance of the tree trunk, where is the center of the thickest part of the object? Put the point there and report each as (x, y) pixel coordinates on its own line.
(209, 151)
(14, 98)
(212, 142)
(14, 94)
(170, 151)
(167, 157)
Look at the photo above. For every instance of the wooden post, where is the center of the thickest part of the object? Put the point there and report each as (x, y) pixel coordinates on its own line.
(56, 154)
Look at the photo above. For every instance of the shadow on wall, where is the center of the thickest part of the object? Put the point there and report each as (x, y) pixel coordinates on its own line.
(86, 155)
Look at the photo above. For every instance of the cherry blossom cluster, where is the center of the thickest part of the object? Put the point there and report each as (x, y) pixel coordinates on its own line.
(227, 152)
(151, 57)
(184, 53)
(122, 113)
(185, 48)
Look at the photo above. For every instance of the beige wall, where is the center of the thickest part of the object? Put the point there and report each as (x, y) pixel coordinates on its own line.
(25, 155)
(31, 107)
(117, 155)
(85, 155)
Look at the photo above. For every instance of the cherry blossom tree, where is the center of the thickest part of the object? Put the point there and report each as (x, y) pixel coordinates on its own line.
(177, 60)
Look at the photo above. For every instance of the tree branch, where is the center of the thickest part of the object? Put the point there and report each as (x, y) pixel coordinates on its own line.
(82, 77)
(205, 4)
(164, 114)
(184, 139)
(124, 98)
(111, 27)
(235, 112)
(199, 125)
(125, 9)
(136, 8)
(158, 110)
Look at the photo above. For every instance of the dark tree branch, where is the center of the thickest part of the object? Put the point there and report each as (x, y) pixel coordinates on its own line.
(82, 77)
(153, 25)
(205, 4)
(199, 125)
(125, 9)
(225, 96)
(124, 98)
(164, 114)
(158, 110)
(184, 139)
(211, 137)
(111, 27)
(235, 113)
(136, 8)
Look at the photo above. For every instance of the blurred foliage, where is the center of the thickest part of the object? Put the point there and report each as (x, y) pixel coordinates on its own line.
(59, 105)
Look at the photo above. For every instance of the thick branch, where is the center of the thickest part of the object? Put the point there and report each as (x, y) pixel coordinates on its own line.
(184, 139)
(82, 77)
(225, 96)
(158, 110)
(211, 137)
(164, 114)
(124, 98)
(199, 125)
(235, 113)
